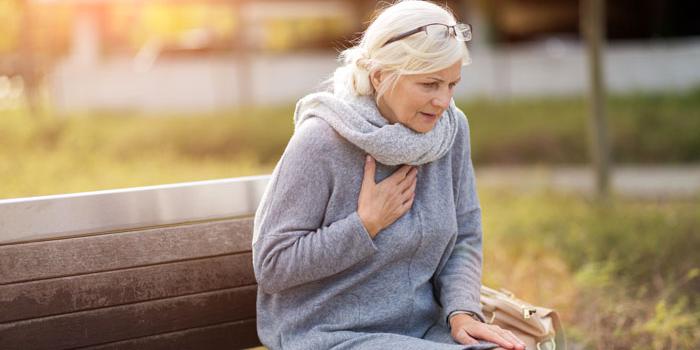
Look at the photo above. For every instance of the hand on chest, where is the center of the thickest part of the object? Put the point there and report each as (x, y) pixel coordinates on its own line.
(430, 223)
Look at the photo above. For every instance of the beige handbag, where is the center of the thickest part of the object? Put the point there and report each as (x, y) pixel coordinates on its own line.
(538, 327)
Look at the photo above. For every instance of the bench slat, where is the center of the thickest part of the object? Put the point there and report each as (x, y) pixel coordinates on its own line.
(232, 335)
(130, 321)
(70, 294)
(75, 256)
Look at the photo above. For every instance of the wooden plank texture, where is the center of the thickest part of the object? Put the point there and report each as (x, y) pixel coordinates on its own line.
(229, 336)
(124, 322)
(81, 255)
(70, 294)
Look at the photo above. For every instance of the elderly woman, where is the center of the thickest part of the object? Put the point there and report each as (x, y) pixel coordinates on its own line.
(369, 233)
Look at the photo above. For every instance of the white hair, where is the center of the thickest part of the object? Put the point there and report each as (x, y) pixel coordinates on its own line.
(415, 54)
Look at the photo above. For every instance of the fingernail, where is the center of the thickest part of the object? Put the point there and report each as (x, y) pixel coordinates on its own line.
(368, 158)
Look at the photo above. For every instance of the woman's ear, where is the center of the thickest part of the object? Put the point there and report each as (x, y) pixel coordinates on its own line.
(375, 77)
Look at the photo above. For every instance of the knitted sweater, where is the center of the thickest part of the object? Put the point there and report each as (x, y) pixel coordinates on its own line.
(324, 283)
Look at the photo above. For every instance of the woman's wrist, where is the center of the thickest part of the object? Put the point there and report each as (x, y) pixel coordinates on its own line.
(371, 228)
(462, 315)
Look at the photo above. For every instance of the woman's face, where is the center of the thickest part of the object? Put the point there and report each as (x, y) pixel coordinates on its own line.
(418, 101)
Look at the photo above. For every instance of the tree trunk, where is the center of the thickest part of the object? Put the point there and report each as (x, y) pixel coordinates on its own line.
(593, 29)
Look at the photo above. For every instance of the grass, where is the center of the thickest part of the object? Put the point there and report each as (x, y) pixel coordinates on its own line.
(91, 152)
(624, 274)
(643, 128)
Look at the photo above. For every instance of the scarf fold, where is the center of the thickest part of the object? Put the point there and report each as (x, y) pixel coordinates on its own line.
(357, 119)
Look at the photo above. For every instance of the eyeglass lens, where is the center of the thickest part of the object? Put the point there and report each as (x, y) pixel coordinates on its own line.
(460, 31)
(437, 31)
(464, 31)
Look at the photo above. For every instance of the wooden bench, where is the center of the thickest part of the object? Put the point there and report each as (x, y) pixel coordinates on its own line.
(162, 267)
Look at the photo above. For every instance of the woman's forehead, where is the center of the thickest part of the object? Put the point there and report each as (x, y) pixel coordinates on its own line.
(451, 73)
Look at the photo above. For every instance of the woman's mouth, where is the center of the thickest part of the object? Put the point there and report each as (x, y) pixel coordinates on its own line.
(429, 115)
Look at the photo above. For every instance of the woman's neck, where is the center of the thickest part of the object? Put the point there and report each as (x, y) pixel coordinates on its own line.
(385, 111)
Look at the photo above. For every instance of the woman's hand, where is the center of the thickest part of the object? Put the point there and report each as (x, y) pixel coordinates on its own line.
(380, 204)
(466, 330)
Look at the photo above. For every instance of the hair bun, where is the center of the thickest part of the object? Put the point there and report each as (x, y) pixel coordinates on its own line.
(355, 72)
(361, 59)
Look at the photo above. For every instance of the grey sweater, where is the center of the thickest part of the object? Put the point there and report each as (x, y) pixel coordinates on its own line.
(324, 283)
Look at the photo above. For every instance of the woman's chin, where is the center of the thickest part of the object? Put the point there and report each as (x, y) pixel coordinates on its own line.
(423, 126)
(422, 129)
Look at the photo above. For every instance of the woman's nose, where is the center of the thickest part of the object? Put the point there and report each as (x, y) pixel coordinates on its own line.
(442, 101)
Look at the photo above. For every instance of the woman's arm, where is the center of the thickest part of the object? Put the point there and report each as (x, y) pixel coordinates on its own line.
(290, 245)
(458, 283)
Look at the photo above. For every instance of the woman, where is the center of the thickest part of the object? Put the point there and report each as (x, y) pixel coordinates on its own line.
(369, 233)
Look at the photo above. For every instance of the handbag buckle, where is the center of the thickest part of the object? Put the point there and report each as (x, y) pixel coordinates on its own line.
(528, 312)
(549, 344)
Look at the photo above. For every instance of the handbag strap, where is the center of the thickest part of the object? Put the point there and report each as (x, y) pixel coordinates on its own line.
(559, 336)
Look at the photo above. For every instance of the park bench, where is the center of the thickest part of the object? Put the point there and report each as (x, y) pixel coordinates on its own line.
(159, 267)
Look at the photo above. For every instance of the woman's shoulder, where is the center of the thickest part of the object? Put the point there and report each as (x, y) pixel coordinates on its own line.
(314, 136)
(462, 139)
(462, 121)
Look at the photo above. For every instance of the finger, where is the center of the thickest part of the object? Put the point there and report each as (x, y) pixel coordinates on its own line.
(519, 344)
(494, 337)
(370, 169)
(408, 195)
(410, 187)
(408, 202)
(498, 339)
(509, 336)
(400, 173)
(402, 209)
(463, 338)
(406, 182)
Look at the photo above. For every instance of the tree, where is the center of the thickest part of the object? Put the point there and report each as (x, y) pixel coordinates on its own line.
(593, 29)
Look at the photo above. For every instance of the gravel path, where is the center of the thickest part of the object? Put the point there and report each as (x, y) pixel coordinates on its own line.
(646, 181)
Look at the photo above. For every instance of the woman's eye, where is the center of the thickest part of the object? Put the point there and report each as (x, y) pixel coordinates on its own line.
(430, 85)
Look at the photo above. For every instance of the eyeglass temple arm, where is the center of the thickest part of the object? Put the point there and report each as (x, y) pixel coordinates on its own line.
(409, 33)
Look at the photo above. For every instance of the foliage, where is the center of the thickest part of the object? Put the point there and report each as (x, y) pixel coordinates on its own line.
(643, 128)
(170, 23)
(624, 273)
(9, 25)
(49, 30)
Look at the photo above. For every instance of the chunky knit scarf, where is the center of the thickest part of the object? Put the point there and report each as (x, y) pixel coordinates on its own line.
(357, 119)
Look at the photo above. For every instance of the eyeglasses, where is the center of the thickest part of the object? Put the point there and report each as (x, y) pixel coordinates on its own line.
(460, 31)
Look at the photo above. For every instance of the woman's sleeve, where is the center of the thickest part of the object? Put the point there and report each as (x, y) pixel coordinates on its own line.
(459, 281)
(290, 245)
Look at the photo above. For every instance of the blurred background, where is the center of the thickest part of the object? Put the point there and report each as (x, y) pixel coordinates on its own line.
(101, 94)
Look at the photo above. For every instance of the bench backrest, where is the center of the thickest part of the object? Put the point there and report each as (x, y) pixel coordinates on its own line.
(154, 275)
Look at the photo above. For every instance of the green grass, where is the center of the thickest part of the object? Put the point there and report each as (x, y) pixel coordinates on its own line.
(643, 128)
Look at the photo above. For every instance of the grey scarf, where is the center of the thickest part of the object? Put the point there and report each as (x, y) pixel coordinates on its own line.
(357, 119)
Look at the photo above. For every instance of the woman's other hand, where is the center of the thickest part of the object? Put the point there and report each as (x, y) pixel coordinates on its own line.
(380, 204)
(467, 330)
